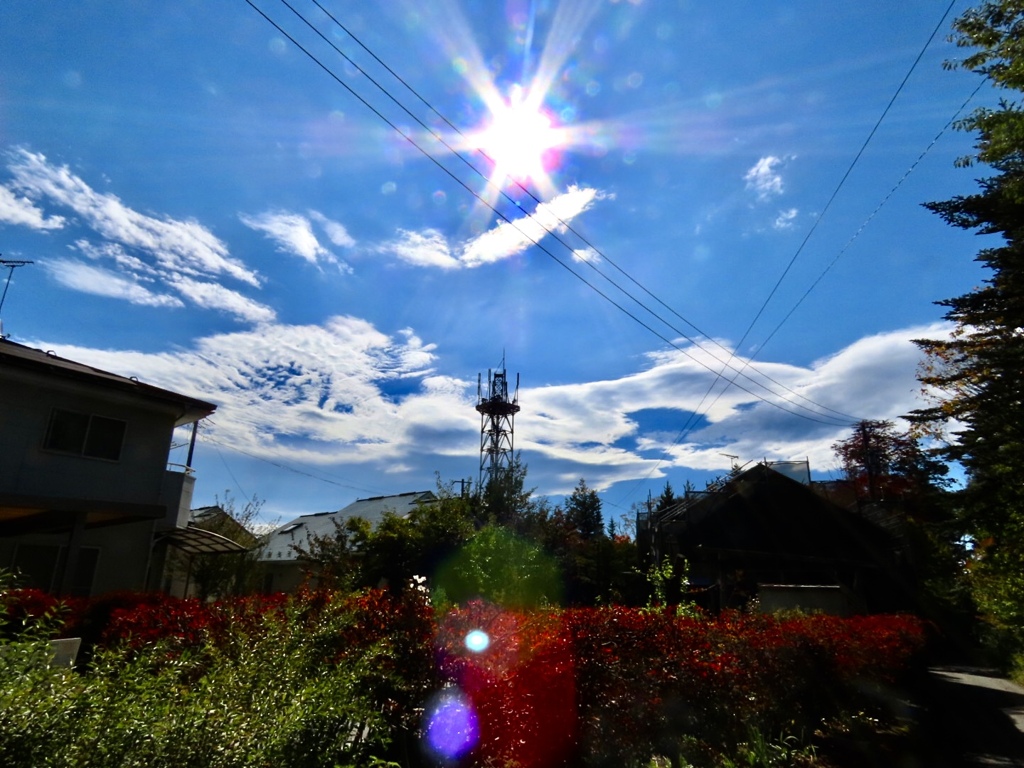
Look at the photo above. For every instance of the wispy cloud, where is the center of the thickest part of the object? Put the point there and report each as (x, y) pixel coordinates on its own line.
(785, 219)
(585, 255)
(293, 233)
(513, 237)
(429, 248)
(102, 282)
(336, 231)
(183, 247)
(323, 394)
(217, 296)
(764, 179)
(310, 393)
(22, 212)
(152, 258)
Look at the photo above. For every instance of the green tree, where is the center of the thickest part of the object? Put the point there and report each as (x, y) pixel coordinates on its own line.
(505, 500)
(506, 569)
(335, 561)
(356, 554)
(583, 511)
(977, 372)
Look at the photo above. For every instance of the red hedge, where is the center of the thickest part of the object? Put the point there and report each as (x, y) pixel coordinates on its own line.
(550, 688)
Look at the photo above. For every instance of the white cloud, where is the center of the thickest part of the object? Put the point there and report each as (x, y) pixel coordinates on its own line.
(763, 179)
(322, 394)
(101, 282)
(216, 296)
(336, 232)
(148, 252)
(513, 237)
(292, 232)
(785, 219)
(429, 248)
(315, 393)
(585, 255)
(116, 253)
(22, 212)
(181, 247)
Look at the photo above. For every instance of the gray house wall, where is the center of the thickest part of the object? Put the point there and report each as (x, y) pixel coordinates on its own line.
(27, 468)
(77, 523)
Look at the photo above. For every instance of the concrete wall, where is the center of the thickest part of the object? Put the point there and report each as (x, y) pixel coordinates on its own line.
(809, 598)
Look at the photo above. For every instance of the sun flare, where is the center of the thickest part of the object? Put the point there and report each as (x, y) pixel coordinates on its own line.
(520, 139)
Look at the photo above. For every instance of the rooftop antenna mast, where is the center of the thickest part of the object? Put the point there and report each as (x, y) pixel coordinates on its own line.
(10, 264)
(497, 420)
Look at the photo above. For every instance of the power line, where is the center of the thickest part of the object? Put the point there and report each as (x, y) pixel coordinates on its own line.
(514, 224)
(874, 213)
(719, 375)
(689, 424)
(280, 465)
(563, 223)
(842, 182)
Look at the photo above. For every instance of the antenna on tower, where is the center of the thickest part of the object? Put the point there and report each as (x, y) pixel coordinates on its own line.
(10, 264)
(497, 423)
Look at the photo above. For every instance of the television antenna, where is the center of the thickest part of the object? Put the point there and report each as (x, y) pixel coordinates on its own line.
(11, 264)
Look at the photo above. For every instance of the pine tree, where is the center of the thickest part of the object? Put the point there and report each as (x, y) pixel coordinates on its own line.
(583, 510)
(978, 371)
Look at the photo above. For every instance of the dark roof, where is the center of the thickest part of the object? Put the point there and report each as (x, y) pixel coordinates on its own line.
(36, 360)
(762, 512)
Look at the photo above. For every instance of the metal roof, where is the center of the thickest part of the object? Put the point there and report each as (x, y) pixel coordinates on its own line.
(300, 531)
(199, 541)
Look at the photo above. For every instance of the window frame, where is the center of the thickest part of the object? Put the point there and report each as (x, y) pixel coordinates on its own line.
(86, 447)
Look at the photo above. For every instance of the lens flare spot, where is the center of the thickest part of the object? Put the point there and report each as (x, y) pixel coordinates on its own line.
(477, 641)
(452, 728)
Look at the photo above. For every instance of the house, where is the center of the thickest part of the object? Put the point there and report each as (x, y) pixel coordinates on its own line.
(85, 487)
(763, 532)
(281, 559)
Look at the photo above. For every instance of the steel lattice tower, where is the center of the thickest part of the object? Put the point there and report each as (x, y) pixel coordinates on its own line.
(497, 421)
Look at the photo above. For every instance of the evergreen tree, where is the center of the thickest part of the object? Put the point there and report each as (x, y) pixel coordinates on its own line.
(506, 500)
(978, 370)
(583, 511)
(667, 498)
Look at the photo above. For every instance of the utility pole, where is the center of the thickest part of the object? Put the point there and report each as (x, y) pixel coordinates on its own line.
(11, 264)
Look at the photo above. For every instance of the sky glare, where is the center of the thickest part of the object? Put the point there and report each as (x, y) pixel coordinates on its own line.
(689, 230)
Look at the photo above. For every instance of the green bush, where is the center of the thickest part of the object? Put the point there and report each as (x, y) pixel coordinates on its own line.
(310, 684)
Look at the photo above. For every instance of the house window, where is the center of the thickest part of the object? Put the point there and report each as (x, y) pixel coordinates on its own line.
(41, 565)
(94, 436)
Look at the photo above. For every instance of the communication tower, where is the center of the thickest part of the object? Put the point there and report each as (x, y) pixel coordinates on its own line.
(497, 420)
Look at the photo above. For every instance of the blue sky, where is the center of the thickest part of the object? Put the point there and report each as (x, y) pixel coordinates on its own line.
(620, 198)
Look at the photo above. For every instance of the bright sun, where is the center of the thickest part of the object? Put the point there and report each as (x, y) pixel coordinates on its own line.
(520, 140)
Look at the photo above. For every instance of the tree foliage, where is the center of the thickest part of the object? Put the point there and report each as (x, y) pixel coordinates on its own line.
(976, 374)
(503, 545)
(882, 463)
(583, 511)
